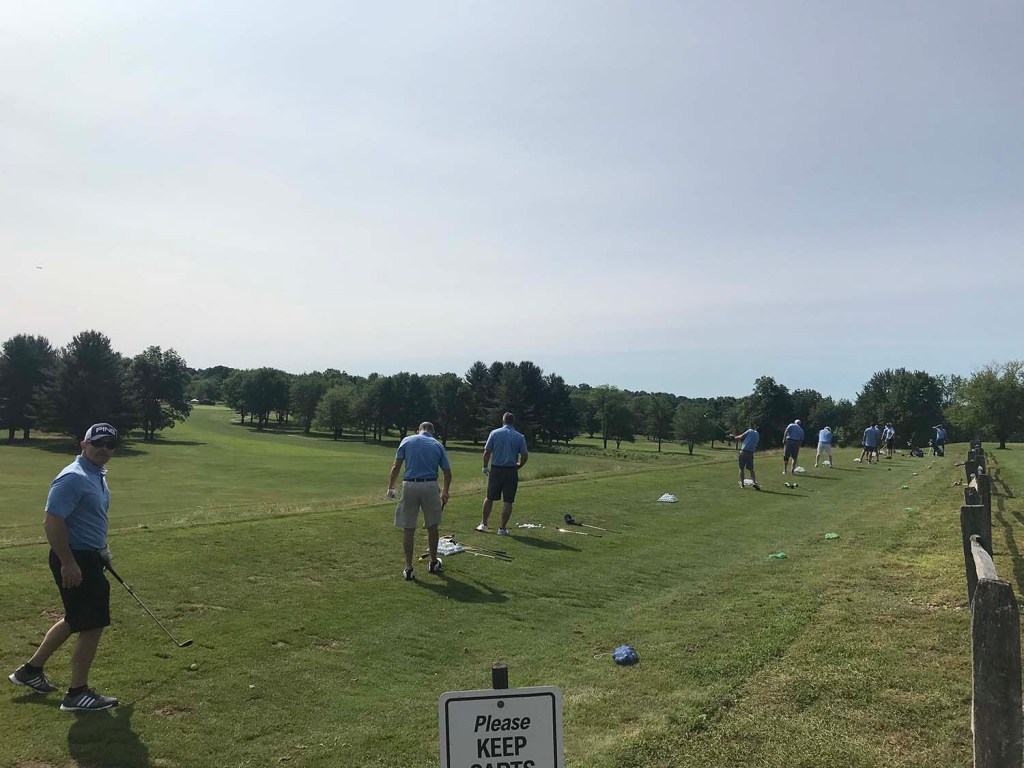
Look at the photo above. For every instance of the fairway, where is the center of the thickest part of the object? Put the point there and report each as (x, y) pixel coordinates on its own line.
(276, 552)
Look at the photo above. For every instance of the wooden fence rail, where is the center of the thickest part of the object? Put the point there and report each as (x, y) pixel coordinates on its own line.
(996, 717)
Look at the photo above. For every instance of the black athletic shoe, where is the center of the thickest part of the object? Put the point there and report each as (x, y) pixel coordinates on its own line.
(87, 701)
(35, 680)
(407, 574)
(435, 565)
(756, 487)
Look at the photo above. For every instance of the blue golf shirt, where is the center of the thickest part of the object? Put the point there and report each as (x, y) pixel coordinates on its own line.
(505, 445)
(750, 438)
(794, 432)
(79, 495)
(422, 454)
(825, 437)
(871, 437)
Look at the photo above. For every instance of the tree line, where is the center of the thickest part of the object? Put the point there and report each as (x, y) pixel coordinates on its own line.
(66, 389)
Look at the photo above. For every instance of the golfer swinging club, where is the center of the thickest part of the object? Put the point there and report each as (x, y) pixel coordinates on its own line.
(76, 528)
(750, 439)
(505, 451)
(423, 455)
(792, 439)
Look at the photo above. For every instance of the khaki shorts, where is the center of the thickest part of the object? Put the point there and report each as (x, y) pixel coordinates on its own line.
(416, 496)
(825, 448)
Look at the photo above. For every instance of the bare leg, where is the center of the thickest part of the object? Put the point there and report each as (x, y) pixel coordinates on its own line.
(485, 514)
(53, 640)
(506, 513)
(82, 655)
(408, 539)
(432, 536)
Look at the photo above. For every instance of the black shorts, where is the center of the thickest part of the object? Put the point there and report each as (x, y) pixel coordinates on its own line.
(792, 450)
(747, 460)
(502, 483)
(890, 443)
(86, 606)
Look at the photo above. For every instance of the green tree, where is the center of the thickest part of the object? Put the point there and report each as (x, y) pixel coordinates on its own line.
(692, 425)
(911, 400)
(158, 382)
(990, 404)
(450, 396)
(411, 402)
(510, 394)
(306, 391)
(614, 414)
(481, 387)
(769, 407)
(89, 387)
(661, 411)
(560, 419)
(838, 416)
(586, 410)
(265, 390)
(27, 366)
(334, 409)
(233, 390)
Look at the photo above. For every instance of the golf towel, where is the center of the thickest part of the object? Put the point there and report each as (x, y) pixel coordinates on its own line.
(669, 498)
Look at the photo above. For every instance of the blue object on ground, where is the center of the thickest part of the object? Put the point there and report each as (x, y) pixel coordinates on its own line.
(625, 655)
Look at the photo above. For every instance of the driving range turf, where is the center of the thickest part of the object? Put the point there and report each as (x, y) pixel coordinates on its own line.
(276, 553)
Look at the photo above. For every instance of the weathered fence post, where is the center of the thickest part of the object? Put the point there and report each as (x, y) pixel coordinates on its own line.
(997, 720)
(972, 523)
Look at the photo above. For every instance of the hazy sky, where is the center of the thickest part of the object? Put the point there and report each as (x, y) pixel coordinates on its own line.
(675, 196)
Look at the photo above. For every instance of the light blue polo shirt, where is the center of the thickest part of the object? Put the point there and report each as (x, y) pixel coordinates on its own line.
(750, 439)
(795, 432)
(825, 437)
(505, 445)
(79, 495)
(940, 434)
(871, 437)
(422, 455)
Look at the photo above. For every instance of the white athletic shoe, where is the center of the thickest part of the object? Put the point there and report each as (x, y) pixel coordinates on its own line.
(503, 531)
(482, 528)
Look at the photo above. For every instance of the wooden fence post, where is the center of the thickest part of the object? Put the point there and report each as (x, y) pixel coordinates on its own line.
(996, 716)
(972, 523)
(499, 675)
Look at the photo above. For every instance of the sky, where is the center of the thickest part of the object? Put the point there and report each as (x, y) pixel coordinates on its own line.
(662, 196)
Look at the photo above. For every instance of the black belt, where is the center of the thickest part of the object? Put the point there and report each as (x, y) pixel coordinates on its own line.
(421, 480)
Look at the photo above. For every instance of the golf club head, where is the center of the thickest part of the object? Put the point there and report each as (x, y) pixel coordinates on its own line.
(568, 519)
(185, 644)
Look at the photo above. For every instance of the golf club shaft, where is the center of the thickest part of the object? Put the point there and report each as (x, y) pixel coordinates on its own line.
(154, 618)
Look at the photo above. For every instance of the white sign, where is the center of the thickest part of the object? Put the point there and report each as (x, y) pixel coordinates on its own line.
(510, 728)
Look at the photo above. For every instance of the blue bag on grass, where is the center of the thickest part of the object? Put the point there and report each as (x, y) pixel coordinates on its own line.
(625, 655)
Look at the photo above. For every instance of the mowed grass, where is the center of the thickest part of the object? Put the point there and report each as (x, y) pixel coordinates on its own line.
(276, 553)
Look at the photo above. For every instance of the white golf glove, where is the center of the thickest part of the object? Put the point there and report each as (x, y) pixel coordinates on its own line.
(391, 493)
(487, 471)
(107, 557)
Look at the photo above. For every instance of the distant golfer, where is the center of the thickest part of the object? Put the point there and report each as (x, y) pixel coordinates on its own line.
(824, 446)
(792, 439)
(939, 446)
(423, 456)
(750, 439)
(871, 437)
(76, 528)
(505, 453)
(889, 439)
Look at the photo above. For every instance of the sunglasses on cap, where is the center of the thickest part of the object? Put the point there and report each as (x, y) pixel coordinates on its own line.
(108, 444)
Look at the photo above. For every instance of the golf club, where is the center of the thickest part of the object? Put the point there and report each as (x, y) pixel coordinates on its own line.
(569, 521)
(578, 533)
(113, 573)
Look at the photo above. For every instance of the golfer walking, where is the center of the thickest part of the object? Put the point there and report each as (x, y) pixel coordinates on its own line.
(76, 528)
(504, 455)
(750, 439)
(824, 446)
(423, 456)
(792, 439)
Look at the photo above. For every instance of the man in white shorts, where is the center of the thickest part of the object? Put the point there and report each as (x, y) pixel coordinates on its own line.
(423, 456)
(824, 446)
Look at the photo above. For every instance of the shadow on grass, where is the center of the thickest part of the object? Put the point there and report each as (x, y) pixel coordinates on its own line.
(533, 541)
(452, 588)
(106, 740)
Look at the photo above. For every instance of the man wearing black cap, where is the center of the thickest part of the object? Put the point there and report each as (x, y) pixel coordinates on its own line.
(76, 527)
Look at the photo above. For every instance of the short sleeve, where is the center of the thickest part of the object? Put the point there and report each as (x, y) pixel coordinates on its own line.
(65, 493)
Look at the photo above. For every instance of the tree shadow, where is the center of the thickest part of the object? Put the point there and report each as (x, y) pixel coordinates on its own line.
(162, 441)
(455, 589)
(105, 739)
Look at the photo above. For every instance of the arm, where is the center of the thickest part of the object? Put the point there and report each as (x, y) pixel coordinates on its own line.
(395, 468)
(57, 534)
(523, 458)
(487, 460)
(447, 474)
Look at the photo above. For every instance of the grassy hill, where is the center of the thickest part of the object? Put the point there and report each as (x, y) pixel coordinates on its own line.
(276, 553)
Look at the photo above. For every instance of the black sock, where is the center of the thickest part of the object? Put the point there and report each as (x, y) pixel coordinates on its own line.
(33, 670)
(76, 691)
